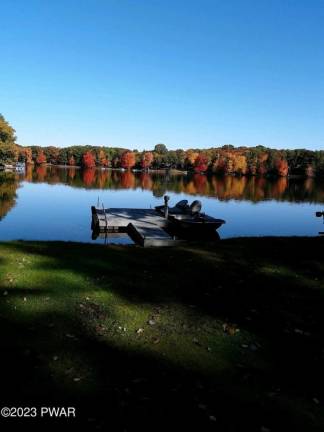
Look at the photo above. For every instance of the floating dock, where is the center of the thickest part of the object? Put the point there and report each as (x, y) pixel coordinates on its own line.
(145, 226)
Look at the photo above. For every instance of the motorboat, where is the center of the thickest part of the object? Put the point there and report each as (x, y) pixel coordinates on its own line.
(189, 217)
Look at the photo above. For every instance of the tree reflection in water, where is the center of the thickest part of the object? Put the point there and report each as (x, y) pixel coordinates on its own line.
(9, 183)
(223, 188)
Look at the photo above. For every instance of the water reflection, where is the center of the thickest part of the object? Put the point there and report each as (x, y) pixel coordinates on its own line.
(224, 188)
(9, 183)
(54, 203)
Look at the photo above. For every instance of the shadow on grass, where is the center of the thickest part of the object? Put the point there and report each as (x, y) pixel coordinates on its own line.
(270, 288)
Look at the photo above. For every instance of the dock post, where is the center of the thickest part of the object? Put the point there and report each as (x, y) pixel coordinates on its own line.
(166, 207)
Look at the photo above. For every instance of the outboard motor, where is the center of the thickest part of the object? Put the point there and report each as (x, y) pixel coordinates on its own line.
(195, 207)
(320, 214)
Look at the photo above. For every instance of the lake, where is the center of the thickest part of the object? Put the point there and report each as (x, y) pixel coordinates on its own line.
(52, 203)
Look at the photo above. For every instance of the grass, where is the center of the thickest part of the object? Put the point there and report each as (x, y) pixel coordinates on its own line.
(226, 337)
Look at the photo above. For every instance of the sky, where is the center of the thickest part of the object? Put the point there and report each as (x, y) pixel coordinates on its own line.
(189, 74)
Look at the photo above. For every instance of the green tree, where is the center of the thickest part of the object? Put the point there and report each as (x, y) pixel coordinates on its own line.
(7, 133)
(161, 149)
(8, 148)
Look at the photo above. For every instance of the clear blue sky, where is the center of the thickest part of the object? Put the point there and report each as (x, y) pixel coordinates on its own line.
(133, 73)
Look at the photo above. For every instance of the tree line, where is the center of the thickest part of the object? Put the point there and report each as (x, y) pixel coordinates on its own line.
(225, 160)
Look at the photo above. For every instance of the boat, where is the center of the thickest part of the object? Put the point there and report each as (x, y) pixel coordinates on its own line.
(185, 217)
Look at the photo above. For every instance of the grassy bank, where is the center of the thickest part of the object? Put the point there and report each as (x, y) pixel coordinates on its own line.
(226, 337)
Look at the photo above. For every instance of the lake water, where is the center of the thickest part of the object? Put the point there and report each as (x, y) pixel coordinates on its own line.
(51, 203)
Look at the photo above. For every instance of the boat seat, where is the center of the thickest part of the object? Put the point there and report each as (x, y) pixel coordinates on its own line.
(183, 205)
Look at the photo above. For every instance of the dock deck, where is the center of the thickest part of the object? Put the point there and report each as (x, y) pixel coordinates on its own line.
(145, 226)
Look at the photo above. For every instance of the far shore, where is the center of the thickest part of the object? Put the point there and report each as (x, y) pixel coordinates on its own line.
(172, 171)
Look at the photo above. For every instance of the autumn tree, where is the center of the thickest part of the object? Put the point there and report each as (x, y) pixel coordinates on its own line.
(28, 155)
(201, 163)
(191, 157)
(128, 159)
(41, 158)
(147, 159)
(240, 164)
(71, 160)
(52, 154)
(88, 160)
(102, 158)
(282, 168)
(219, 165)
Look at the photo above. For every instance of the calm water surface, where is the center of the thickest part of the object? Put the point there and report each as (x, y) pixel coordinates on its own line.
(50, 203)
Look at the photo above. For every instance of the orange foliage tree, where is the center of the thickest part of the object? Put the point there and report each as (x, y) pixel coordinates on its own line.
(28, 155)
(88, 161)
(41, 158)
(128, 159)
(240, 164)
(282, 167)
(191, 157)
(71, 161)
(102, 158)
(147, 160)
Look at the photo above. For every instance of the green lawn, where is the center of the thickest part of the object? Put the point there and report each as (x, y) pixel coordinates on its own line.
(227, 337)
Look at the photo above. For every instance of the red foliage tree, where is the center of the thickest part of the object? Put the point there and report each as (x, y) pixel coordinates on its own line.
(128, 159)
(282, 167)
(41, 158)
(201, 163)
(147, 160)
(88, 161)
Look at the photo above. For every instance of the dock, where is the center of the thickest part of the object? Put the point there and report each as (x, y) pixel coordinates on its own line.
(145, 226)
